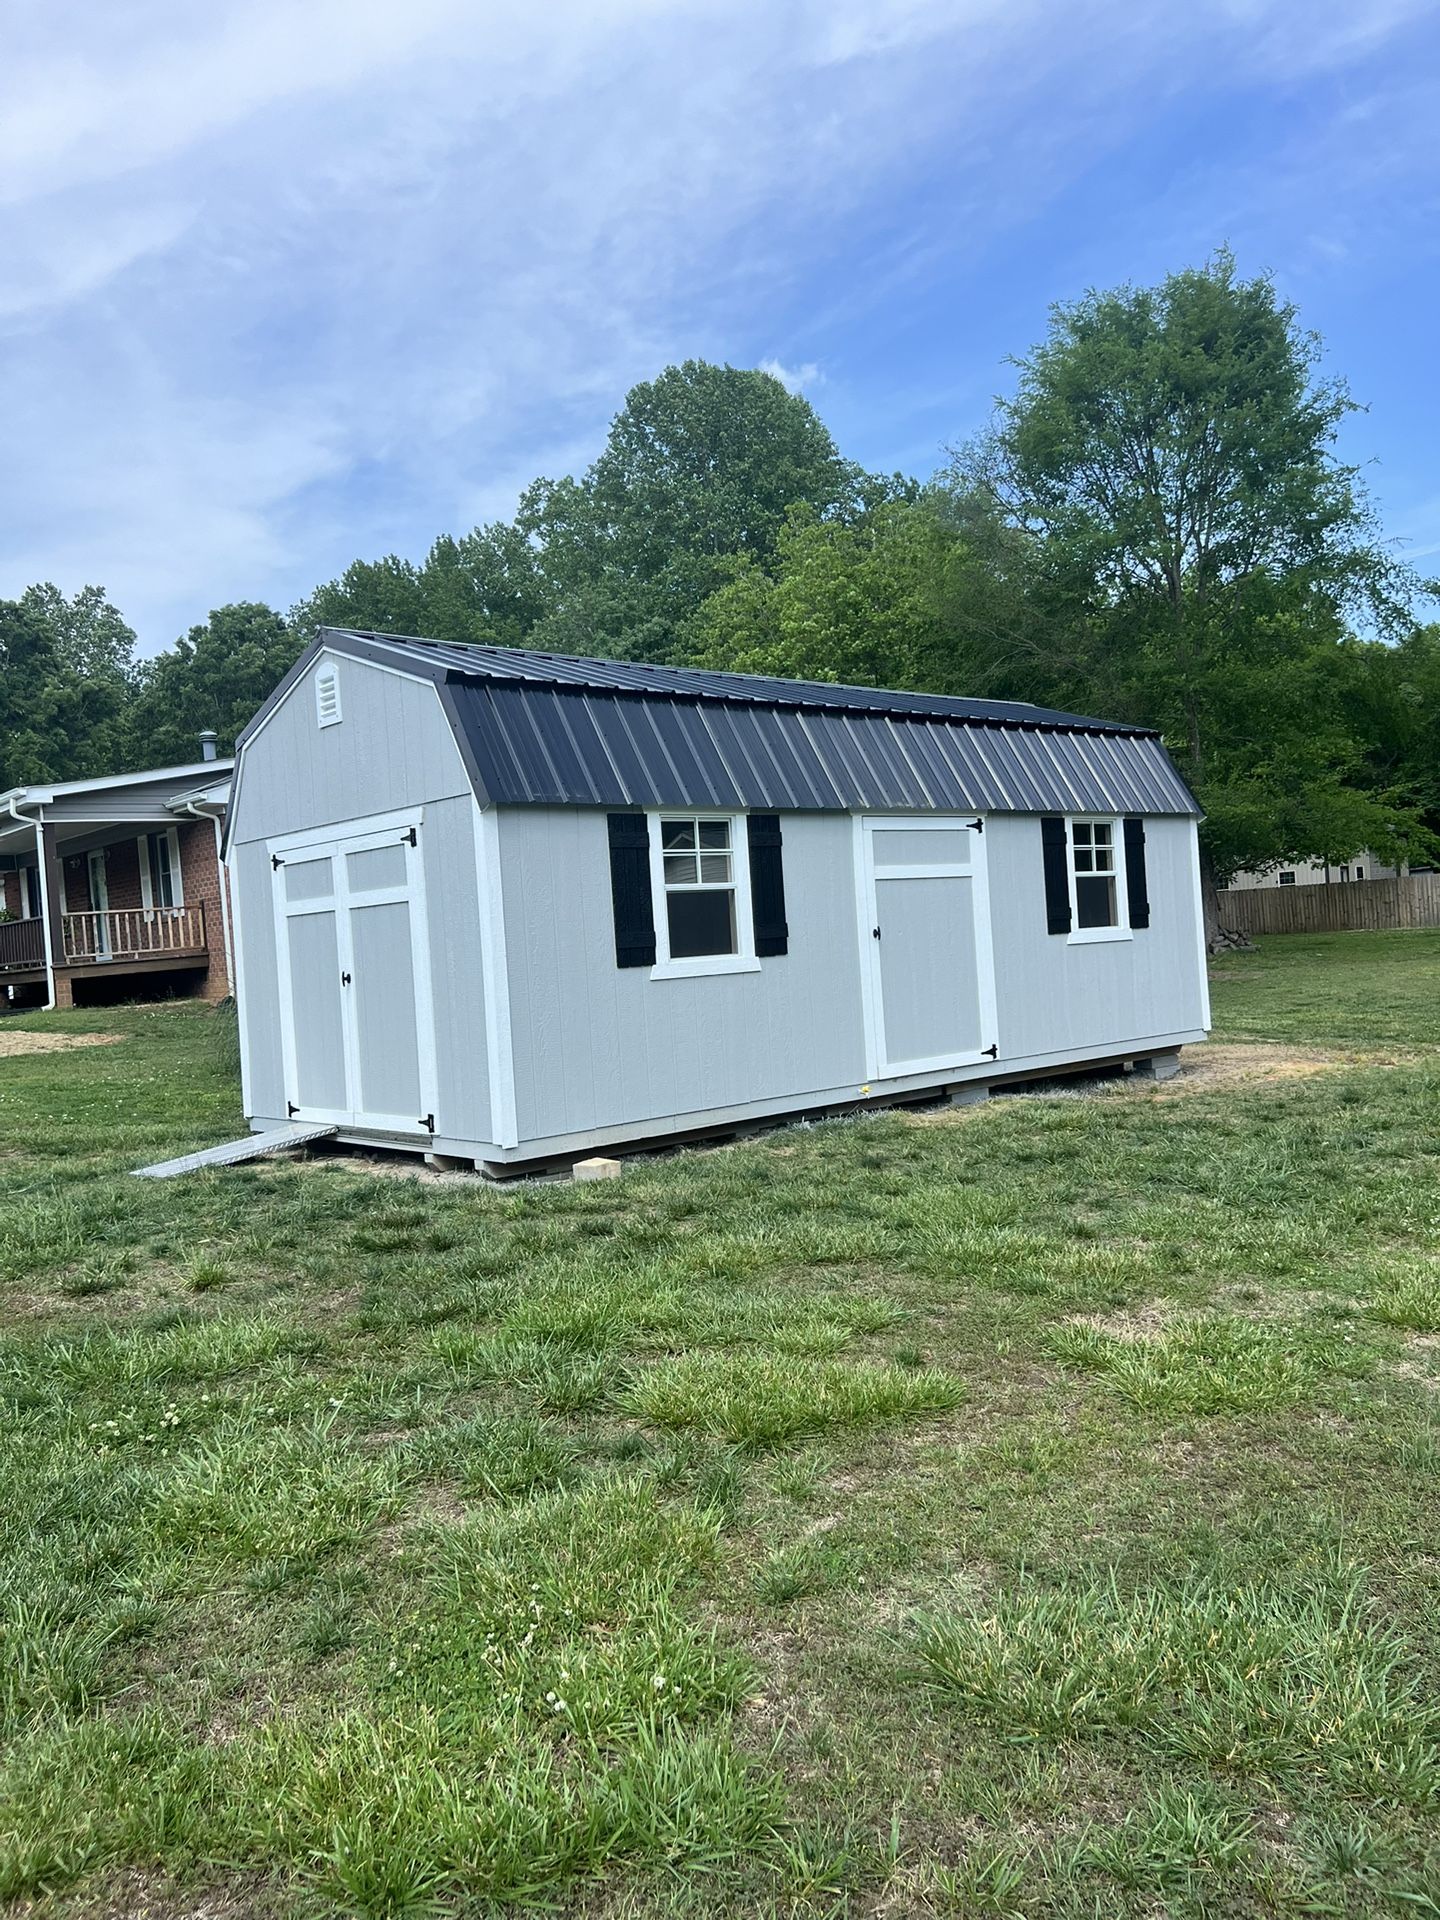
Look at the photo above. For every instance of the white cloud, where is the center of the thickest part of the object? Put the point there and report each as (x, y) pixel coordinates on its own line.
(287, 284)
(796, 379)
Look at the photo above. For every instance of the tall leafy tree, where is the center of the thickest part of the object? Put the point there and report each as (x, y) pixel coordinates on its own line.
(701, 465)
(63, 685)
(1196, 551)
(214, 678)
(883, 597)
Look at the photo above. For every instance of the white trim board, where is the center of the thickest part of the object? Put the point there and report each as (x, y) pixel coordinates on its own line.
(495, 977)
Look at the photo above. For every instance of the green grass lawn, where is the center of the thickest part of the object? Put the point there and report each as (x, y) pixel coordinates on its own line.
(1024, 1511)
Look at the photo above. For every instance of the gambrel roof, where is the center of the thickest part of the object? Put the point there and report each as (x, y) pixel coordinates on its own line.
(544, 729)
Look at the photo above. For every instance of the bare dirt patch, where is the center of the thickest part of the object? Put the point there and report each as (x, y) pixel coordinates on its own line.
(12, 1044)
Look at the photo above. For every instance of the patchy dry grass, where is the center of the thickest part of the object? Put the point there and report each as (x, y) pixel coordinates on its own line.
(1028, 1510)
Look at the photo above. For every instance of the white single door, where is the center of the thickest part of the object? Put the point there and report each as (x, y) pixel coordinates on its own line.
(925, 933)
(354, 981)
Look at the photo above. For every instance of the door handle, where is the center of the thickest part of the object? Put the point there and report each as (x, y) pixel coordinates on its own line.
(876, 932)
(344, 979)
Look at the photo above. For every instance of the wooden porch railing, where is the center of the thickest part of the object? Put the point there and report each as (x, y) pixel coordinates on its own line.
(22, 946)
(133, 933)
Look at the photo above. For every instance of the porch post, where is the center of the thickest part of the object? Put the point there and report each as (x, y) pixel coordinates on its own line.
(49, 858)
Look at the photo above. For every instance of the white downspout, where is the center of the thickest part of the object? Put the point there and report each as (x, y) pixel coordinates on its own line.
(26, 820)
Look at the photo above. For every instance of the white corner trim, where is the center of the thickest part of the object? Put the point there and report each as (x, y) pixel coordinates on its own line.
(494, 970)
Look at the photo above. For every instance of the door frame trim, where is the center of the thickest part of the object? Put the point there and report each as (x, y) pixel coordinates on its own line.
(354, 836)
(872, 1000)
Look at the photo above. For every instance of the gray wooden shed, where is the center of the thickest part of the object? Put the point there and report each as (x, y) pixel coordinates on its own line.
(508, 906)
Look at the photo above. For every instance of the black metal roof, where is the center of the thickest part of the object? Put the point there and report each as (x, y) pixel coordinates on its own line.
(522, 666)
(542, 729)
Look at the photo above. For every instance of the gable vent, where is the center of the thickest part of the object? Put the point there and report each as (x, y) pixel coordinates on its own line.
(327, 696)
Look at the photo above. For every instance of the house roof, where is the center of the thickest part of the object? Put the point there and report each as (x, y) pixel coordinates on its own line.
(152, 796)
(543, 729)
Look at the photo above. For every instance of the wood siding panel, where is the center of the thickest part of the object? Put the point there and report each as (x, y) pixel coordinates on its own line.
(596, 1044)
(393, 749)
(1051, 995)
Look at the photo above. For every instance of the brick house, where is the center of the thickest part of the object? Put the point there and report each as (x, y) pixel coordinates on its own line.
(113, 888)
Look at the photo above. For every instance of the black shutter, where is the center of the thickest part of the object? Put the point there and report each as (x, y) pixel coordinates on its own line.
(630, 890)
(767, 885)
(1135, 887)
(1054, 843)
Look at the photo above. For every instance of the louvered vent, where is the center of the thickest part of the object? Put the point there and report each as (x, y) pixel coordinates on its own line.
(327, 696)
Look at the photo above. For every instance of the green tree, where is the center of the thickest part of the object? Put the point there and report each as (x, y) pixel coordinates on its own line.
(63, 685)
(377, 596)
(1196, 552)
(213, 678)
(701, 466)
(883, 597)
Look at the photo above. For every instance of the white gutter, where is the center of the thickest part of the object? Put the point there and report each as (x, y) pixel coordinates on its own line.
(212, 811)
(13, 801)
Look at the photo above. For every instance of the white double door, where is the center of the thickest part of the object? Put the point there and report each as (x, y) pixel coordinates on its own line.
(356, 1025)
(929, 964)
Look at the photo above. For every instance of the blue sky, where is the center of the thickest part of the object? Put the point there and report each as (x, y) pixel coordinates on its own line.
(289, 282)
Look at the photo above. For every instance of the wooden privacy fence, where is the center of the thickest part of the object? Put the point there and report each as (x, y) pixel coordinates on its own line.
(1342, 906)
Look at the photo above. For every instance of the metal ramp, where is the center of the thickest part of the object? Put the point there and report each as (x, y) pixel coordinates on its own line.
(253, 1147)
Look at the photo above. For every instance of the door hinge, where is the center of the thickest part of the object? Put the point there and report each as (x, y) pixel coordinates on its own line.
(992, 1052)
(875, 931)
(291, 1108)
(276, 861)
(409, 835)
(978, 825)
(344, 979)
(428, 1123)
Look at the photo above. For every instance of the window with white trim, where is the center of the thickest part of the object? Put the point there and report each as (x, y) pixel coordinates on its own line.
(160, 883)
(701, 879)
(1096, 880)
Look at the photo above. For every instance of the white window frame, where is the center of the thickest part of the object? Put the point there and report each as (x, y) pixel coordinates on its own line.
(743, 960)
(177, 880)
(30, 909)
(1122, 930)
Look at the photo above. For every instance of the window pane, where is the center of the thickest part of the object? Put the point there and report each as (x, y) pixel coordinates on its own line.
(677, 833)
(1095, 901)
(701, 923)
(1084, 860)
(715, 869)
(680, 870)
(1081, 831)
(714, 833)
(1102, 833)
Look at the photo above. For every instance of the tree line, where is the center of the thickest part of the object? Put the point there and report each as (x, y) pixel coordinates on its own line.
(1155, 527)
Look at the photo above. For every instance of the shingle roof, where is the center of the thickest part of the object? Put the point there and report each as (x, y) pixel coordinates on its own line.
(543, 729)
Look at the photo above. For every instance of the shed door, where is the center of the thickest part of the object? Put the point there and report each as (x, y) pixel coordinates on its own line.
(925, 929)
(354, 981)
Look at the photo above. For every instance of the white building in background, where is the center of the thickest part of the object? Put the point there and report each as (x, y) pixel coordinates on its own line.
(1316, 873)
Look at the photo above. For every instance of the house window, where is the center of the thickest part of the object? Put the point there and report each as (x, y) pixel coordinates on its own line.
(703, 879)
(1344, 873)
(29, 893)
(1096, 880)
(1287, 879)
(160, 884)
(1359, 873)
